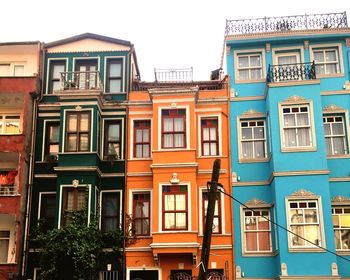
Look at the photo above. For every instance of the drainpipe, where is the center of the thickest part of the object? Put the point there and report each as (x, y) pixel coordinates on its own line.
(37, 98)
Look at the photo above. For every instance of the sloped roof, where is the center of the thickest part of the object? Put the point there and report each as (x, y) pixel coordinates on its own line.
(88, 36)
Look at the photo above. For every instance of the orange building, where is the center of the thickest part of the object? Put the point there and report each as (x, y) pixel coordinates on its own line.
(176, 131)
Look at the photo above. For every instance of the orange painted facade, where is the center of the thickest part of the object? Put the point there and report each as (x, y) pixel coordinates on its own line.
(175, 134)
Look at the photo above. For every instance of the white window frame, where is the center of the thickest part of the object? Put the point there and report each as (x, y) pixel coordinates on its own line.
(7, 113)
(39, 205)
(250, 52)
(257, 118)
(43, 146)
(259, 207)
(120, 207)
(344, 136)
(132, 120)
(131, 206)
(339, 54)
(123, 74)
(219, 119)
(9, 225)
(48, 70)
(342, 206)
(308, 246)
(311, 126)
(12, 65)
(121, 120)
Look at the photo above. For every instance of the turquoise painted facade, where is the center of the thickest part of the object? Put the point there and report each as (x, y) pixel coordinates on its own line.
(290, 146)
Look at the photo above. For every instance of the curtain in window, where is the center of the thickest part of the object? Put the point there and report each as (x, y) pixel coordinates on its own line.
(290, 137)
(92, 77)
(82, 77)
(4, 245)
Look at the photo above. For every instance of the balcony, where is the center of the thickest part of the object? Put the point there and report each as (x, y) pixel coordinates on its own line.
(291, 72)
(8, 190)
(286, 23)
(81, 81)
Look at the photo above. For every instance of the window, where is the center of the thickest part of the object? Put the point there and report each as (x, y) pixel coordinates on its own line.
(52, 140)
(249, 66)
(341, 224)
(141, 213)
(114, 83)
(18, 70)
(8, 182)
(11, 69)
(56, 68)
(304, 221)
(112, 145)
(173, 128)
(142, 139)
(86, 75)
(78, 132)
(253, 139)
(210, 135)
(5, 69)
(10, 124)
(334, 131)
(4, 245)
(47, 210)
(110, 216)
(326, 61)
(256, 231)
(175, 208)
(74, 199)
(217, 212)
(296, 126)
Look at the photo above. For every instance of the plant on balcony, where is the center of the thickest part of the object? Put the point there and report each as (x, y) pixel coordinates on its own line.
(77, 251)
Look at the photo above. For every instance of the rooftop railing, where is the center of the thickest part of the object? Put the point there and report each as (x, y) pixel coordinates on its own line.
(291, 72)
(174, 75)
(286, 23)
(79, 80)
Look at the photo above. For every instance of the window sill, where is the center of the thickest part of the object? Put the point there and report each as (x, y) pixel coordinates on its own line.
(218, 156)
(174, 231)
(174, 150)
(339, 156)
(114, 93)
(139, 159)
(259, 254)
(11, 134)
(298, 149)
(336, 75)
(254, 160)
(306, 250)
(249, 81)
(343, 252)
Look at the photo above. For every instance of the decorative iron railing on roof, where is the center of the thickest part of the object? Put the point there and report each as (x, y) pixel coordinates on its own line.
(81, 80)
(285, 23)
(174, 75)
(291, 72)
(202, 85)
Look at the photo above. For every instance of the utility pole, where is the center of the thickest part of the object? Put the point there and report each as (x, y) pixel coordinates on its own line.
(203, 267)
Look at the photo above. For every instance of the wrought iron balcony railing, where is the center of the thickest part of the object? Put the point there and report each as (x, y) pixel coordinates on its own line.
(79, 80)
(8, 190)
(285, 23)
(291, 72)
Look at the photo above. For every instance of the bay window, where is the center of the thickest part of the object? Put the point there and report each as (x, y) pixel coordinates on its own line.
(112, 139)
(74, 199)
(78, 131)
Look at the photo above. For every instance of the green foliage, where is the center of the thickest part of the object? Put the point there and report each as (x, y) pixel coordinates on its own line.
(76, 251)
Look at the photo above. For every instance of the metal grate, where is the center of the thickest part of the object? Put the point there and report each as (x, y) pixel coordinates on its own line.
(79, 80)
(108, 275)
(291, 72)
(8, 190)
(285, 23)
(174, 75)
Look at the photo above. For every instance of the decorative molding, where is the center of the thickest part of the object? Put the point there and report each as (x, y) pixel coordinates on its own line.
(303, 193)
(294, 83)
(238, 272)
(78, 108)
(340, 198)
(248, 98)
(75, 183)
(268, 47)
(335, 269)
(256, 202)
(174, 179)
(347, 42)
(284, 271)
(228, 49)
(339, 179)
(333, 108)
(252, 114)
(295, 98)
(336, 92)
(306, 44)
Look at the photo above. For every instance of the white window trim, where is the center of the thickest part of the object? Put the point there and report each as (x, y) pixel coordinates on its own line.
(88, 186)
(36, 273)
(160, 210)
(44, 136)
(131, 147)
(310, 248)
(12, 65)
(287, 51)
(129, 269)
(39, 204)
(219, 119)
(131, 206)
(188, 143)
(64, 128)
(253, 117)
(344, 204)
(105, 74)
(332, 136)
(103, 120)
(236, 54)
(200, 212)
(313, 146)
(269, 207)
(49, 61)
(120, 207)
(12, 113)
(339, 56)
(11, 254)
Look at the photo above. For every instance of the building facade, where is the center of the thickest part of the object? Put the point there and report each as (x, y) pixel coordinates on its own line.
(19, 80)
(81, 134)
(176, 130)
(289, 134)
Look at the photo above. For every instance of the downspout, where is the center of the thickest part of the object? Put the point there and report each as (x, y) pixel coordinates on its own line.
(37, 98)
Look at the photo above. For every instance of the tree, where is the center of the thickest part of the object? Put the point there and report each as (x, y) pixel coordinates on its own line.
(77, 251)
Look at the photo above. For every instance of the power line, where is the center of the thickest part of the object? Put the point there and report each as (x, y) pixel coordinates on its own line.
(284, 228)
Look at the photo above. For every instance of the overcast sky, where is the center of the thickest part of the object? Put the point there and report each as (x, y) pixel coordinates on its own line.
(166, 34)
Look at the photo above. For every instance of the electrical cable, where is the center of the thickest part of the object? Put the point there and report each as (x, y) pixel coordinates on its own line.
(282, 227)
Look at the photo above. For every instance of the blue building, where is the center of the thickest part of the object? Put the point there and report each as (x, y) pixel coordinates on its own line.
(290, 97)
